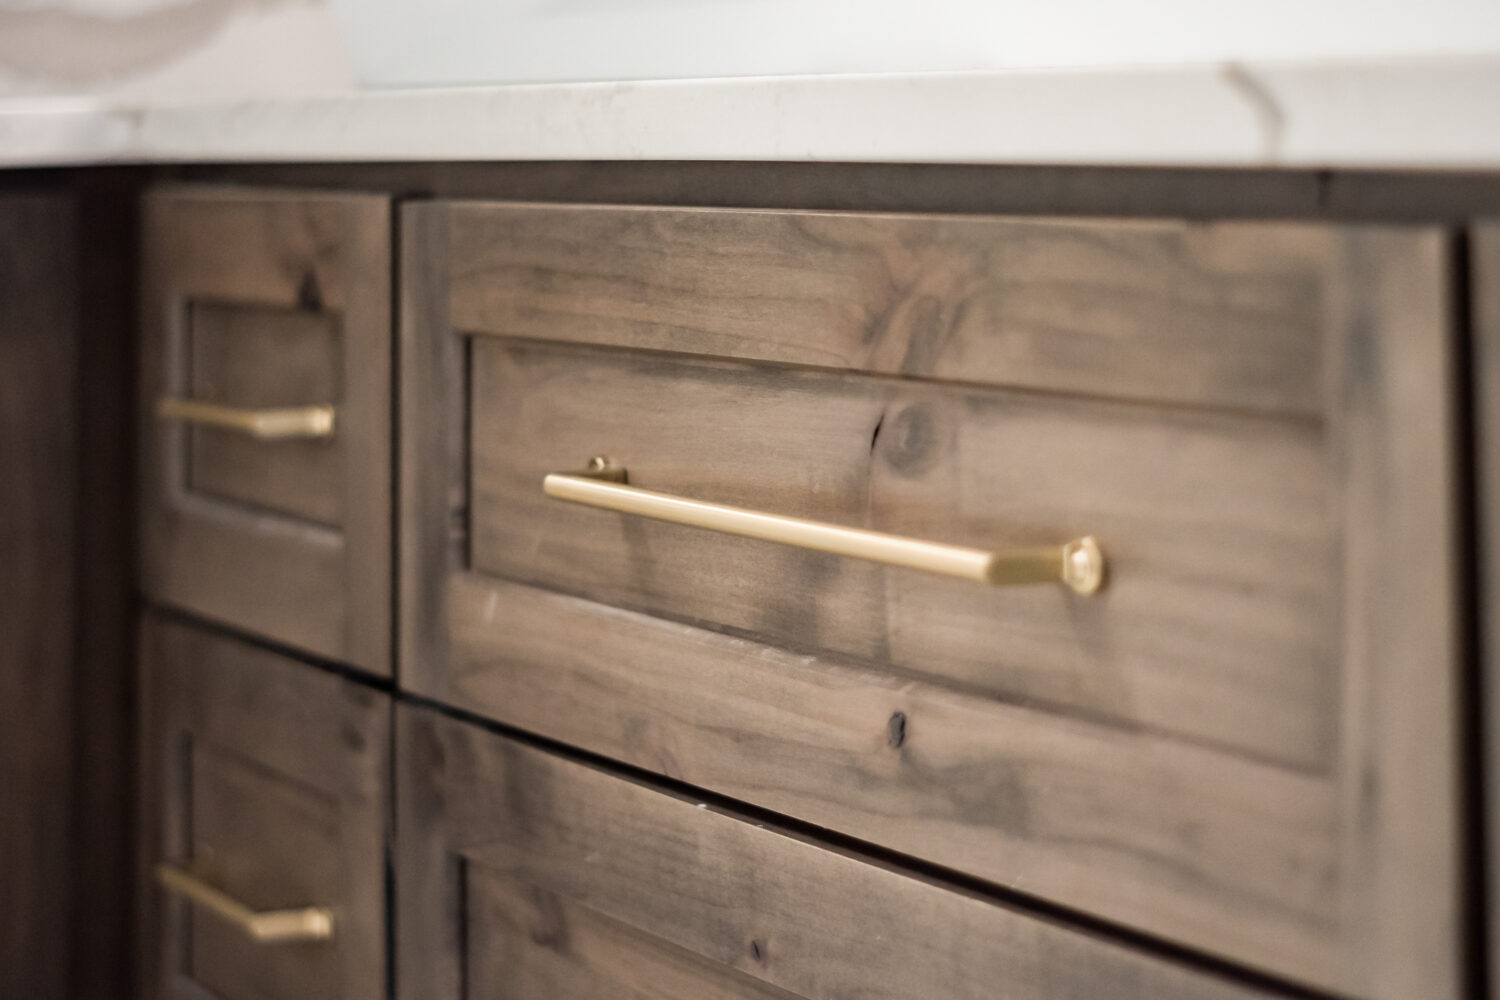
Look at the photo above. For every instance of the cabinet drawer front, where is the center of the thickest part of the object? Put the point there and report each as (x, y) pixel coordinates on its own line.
(264, 787)
(525, 875)
(1187, 751)
(259, 306)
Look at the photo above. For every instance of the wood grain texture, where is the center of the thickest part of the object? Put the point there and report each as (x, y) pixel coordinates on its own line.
(1393, 447)
(1018, 796)
(295, 579)
(1485, 375)
(432, 447)
(265, 358)
(272, 777)
(272, 843)
(39, 610)
(1212, 627)
(1374, 879)
(1140, 310)
(514, 930)
(577, 877)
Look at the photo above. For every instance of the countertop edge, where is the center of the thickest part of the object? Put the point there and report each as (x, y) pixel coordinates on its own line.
(1421, 114)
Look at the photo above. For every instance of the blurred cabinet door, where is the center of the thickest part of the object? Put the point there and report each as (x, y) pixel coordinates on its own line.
(266, 367)
(263, 815)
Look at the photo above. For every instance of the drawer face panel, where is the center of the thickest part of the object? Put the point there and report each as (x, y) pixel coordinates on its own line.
(1214, 625)
(265, 779)
(264, 303)
(1223, 747)
(562, 881)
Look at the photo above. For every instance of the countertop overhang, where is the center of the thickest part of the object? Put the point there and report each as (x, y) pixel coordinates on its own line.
(1420, 114)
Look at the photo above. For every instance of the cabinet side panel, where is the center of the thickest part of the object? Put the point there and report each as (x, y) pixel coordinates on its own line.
(38, 489)
(1485, 262)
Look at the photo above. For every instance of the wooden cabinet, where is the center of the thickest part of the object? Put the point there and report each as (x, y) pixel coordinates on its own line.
(679, 737)
(264, 791)
(266, 415)
(1245, 743)
(525, 875)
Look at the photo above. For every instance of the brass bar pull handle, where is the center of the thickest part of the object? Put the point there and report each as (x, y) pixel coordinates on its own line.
(310, 923)
(276, 424)
(1078, 563)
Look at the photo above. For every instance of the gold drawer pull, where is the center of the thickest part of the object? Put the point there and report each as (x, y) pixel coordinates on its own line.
(278, 424)
(1078, 563)
(310, 923)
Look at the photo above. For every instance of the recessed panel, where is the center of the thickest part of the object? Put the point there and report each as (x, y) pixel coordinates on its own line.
(271, 843)
(527, 943)
(262, 357)
(1215, 624)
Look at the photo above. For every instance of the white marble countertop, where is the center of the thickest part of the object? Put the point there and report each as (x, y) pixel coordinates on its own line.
(1431, 114)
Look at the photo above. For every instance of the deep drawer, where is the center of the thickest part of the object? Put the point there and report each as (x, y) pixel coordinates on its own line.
(266, 397)
(525, 875)
(1224, 746)
(263, 818)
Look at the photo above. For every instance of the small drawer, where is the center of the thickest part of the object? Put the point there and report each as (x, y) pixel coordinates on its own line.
(263, 819)
(524, 875)
(1251, 420)
(267, 415)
